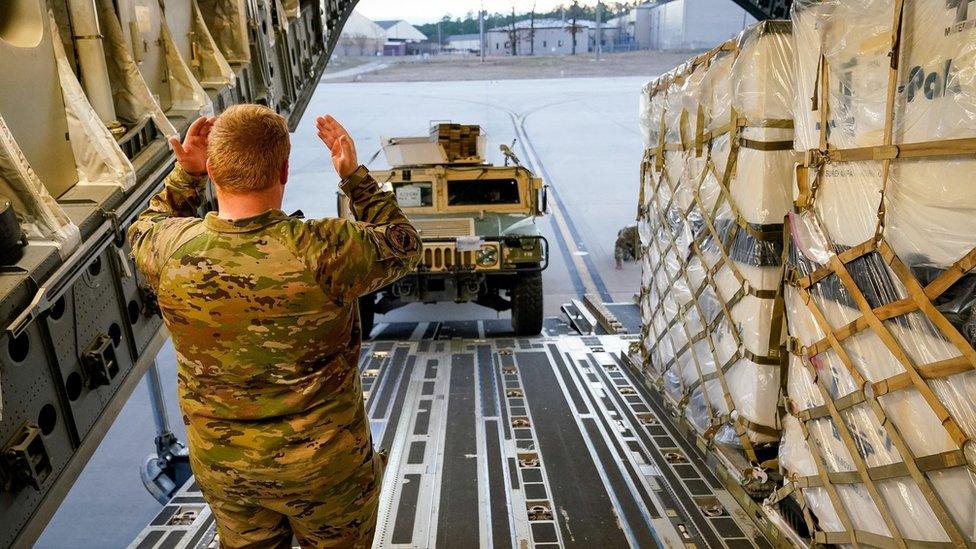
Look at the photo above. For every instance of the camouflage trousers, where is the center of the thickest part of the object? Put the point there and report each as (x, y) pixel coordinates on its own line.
(255, 509)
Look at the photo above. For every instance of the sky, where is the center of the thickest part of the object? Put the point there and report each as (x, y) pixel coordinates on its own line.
(426, 11)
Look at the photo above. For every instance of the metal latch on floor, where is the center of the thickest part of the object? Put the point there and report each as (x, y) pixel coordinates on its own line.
(539, 512)
(528, 460)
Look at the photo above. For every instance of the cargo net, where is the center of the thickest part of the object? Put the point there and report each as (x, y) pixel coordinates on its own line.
(716, 181)
(879, 283)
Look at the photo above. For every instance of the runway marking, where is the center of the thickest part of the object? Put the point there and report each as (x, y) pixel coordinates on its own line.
(591, 280)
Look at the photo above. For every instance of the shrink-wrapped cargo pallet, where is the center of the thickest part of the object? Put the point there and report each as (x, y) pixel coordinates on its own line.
(716, 184)
(881, 388)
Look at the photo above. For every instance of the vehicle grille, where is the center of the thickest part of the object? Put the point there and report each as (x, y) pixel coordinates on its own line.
(445, 257)
(444, 228)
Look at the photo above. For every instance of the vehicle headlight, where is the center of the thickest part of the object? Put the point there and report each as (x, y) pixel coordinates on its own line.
(487, 256)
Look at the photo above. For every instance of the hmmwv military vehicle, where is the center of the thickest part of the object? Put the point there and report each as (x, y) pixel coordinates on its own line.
(477, 222)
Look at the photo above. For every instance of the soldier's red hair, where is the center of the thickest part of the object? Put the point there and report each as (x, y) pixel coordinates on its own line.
(248, 148)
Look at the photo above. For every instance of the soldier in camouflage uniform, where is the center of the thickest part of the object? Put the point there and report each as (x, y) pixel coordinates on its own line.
(262, 310)
(626, 247)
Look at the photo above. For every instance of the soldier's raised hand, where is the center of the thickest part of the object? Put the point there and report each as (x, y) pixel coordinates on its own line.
(192, 153)
(337, 139)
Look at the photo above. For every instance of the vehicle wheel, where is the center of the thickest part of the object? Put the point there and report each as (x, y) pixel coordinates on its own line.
(527, 304)
(367, 313)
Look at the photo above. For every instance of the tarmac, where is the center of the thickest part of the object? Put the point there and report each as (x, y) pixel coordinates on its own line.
(355, 71)
(580, 134)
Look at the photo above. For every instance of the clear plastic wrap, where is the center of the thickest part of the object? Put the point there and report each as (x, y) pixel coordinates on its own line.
(134, 101)
(291, 8)
(227, 21)
(880, 300)
(97, 155)
(196, 45)
(40, 216)
(186, 92)
(36, 159)
(716, 185)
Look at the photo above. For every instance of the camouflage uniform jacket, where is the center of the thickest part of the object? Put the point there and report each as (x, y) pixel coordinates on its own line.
(262, 312)
(627, 246)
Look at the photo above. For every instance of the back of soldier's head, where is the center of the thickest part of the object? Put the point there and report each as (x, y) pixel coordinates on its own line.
(248, 148)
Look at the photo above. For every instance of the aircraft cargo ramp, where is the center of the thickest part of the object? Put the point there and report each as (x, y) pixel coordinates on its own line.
(505, 442)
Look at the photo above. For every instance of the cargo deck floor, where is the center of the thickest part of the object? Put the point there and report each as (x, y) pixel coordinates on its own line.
(508, 442)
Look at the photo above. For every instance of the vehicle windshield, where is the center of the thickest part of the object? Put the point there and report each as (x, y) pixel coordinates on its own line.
(416, 194)
(482, 191)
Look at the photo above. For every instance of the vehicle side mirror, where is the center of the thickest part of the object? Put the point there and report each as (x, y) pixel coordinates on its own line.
(544, 200)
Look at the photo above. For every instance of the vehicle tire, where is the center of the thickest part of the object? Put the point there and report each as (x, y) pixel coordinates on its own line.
(367, 313)
(527, 304)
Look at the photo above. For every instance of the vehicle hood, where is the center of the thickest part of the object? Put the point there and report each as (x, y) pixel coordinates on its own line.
(491, 224)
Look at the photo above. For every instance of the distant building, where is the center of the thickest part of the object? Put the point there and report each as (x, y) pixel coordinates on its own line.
(695, 24)
(395, 49)
(677, 25)
(360, 36)
(632, 29)
(463, 43)
(402, 38)
(543, 37)
(401, 31)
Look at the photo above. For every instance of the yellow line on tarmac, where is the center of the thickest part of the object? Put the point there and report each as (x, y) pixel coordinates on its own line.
(557, 214)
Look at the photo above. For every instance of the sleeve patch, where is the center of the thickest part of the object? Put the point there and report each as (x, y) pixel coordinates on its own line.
(402, 238)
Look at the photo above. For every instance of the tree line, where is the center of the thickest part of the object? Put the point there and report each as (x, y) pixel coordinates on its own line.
(572, 11)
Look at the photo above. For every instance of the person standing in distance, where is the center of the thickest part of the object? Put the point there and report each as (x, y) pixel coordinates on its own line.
(262, 309)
